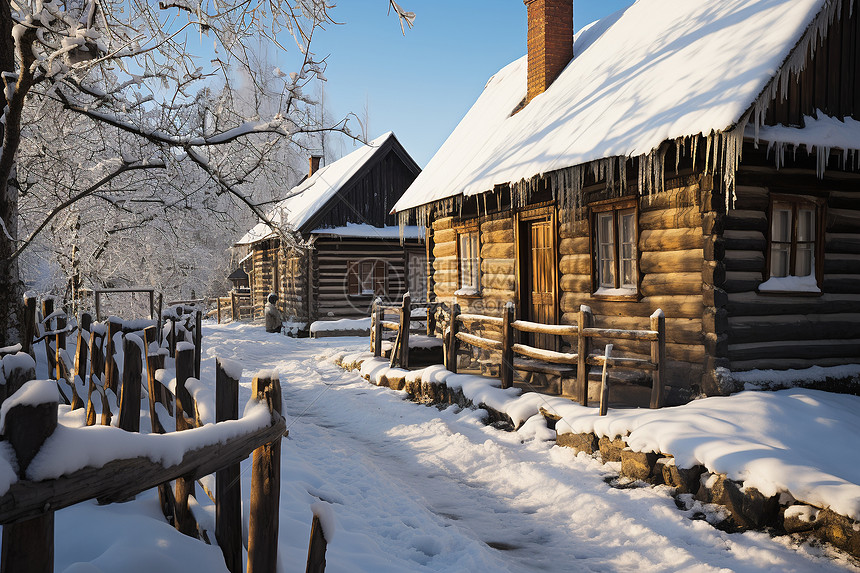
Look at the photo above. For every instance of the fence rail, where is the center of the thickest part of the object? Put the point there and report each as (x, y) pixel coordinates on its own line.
(403, 326)
(547, 360)
(238, 304)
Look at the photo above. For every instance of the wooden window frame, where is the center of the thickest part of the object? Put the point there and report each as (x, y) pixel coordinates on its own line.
(796, 202)
(468, 230)
(380, 278)
(616, 206)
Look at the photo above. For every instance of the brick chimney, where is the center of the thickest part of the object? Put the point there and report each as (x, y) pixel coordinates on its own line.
(315, 164)
(550, 42)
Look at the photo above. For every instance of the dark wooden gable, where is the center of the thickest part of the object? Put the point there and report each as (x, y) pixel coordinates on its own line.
(368, 197)
(831, 80)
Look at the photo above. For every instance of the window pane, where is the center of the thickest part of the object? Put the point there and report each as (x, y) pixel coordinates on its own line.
(805, 224)
(628, 250)
(803, 265)
(606, 249)
(779, 260)
(469, 261)
(781, 228)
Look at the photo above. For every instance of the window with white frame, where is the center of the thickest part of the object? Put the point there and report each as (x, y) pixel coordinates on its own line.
(469, 261)
(614, 239)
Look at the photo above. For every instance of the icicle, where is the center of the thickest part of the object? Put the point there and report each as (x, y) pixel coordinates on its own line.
(695, 149)
(677, 153)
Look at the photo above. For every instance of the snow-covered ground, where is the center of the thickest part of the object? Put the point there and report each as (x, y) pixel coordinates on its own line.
(416, 488)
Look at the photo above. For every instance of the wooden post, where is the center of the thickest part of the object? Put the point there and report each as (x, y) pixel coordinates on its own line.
(658, 356)
(15, 379)
(50, 354)
(583, 347)
(316, 548)
(149, 336)
(265, 488)
(158, 319)
(506, 371)
(171, 338)
(218, 302)
(80, 372)
(185, 521)
(451, 355)
(198, 342)
(96, 366)
(604, 384)
(405, 324)
(228, 486)
(28, 332)
(129, 407)
(233, 306)
(377, 330)
(110, 381)
(29, 545)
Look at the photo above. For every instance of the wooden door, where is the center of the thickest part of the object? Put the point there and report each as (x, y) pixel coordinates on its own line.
(538, 271)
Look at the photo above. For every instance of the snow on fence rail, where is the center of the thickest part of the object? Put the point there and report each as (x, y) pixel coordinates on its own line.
(561, 363)
(123, 462)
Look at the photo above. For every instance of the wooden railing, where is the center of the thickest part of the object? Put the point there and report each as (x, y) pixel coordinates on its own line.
(584, 332)
(403, 326)
(238, 304)
(95, 372)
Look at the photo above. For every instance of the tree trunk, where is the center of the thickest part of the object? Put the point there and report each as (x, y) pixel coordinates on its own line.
(11, 287)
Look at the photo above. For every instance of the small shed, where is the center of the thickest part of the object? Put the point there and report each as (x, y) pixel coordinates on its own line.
(343, 246)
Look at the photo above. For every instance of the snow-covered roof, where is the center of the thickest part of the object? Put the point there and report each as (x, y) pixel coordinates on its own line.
(656, 71)
(369, 231)
(305, 199)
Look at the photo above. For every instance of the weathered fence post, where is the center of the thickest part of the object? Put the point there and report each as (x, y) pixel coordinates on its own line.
(129, 407)
(110, 381)
(48, 310)
(198, 342)
(583, 347)
(218, 302)
(405, 324)
(17, 378)
(185, 521)
(604, 384)
(658, 356)
(96, 366)
(29, 545)
(316, 548)
(506, 372)
(265, 487)
(379, 315)
(228, 486)
(29, 328)
(233, 306)
(451, 355)
(80, 360)
(59, 346)
(155, 361)
(171, 338)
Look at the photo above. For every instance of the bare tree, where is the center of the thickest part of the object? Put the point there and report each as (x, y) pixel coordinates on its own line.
(120, 75)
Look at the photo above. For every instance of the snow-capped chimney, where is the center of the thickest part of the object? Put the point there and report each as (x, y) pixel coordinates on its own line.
(550, 42)
(315, 164)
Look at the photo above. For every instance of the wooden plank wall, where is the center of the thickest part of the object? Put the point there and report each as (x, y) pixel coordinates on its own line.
(332, 257)
(264, 255)
(293, 276)
(830, 82)
(784, 331)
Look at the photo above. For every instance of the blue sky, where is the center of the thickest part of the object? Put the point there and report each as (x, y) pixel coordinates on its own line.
(421, 85)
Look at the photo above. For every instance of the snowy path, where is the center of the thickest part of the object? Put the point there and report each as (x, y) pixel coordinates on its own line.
(414, 488)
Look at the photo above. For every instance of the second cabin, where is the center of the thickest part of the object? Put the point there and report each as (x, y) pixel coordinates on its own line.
(702, 160)
(337, 247)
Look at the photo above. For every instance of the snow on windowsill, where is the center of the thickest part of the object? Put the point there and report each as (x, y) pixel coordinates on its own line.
(467, 291)
(807, 284)
(627, 291)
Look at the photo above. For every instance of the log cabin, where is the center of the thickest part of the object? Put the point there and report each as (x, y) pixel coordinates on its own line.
(694, 156)
(337, 247)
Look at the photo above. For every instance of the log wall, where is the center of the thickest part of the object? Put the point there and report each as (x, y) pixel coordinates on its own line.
(782, 331)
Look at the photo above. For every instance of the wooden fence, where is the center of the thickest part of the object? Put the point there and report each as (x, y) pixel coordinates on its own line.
(238, 305)
(403, 326)
(26, 510)
(563, 364)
